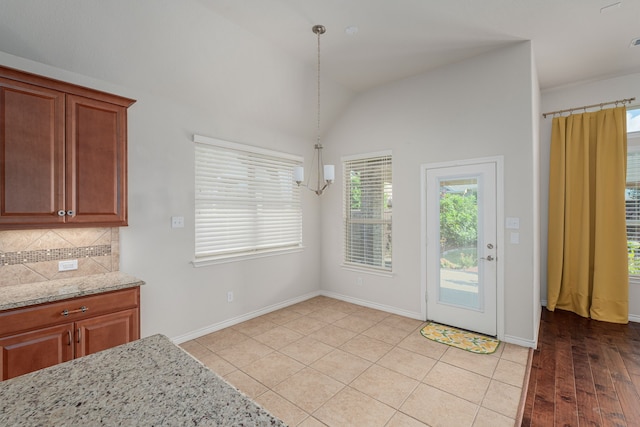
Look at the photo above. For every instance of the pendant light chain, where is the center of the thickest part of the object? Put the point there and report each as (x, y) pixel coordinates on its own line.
(320, 31)
(318, 145)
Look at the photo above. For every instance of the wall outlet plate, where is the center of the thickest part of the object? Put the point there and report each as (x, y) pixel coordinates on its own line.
(68, 265)
(177, 222)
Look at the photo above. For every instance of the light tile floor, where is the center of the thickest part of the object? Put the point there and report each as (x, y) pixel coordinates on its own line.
(327, 362)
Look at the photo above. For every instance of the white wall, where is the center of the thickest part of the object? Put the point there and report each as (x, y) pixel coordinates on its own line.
(577, 95)
(242, 89)
(535, 113)
(477, 108)
(246, 91)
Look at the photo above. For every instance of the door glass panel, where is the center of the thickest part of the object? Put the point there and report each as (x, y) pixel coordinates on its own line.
(459, 284)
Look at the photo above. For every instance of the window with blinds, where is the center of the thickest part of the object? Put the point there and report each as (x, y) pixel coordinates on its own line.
(246, 201)
(367, 207)
(632, 202)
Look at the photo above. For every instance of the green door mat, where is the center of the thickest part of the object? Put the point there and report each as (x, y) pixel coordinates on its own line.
(458, 338)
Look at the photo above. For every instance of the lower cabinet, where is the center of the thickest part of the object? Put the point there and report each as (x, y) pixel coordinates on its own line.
(103, 332)
(37, 337)
(30, 351)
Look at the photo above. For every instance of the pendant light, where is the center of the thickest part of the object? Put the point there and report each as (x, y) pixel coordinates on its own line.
(325, 173)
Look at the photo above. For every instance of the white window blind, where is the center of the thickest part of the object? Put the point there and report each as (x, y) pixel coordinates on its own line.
(246, 202)
(632, 202)
(367, 211)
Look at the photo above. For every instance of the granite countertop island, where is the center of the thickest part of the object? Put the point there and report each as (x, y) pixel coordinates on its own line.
(149, 382)
(23, 295)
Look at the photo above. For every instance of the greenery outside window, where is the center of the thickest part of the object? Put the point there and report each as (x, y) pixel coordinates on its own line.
(246, 201)
(367, 208)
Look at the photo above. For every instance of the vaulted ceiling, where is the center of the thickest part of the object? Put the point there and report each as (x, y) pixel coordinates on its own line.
(255, 60)
(573, 40)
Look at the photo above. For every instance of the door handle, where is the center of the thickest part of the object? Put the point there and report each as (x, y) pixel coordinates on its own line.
(488, 258)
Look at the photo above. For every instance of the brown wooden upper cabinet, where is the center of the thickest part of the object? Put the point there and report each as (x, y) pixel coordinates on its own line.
(63, 154)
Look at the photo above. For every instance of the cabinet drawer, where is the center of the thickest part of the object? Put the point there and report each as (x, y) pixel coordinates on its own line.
(28, 318)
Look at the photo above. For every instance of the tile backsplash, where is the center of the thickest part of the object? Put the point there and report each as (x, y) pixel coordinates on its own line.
(28, 256)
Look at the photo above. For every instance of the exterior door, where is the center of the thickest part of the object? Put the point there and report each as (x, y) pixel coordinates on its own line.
(461, 246)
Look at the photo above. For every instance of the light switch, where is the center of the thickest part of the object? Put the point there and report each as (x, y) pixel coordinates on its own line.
(515, 238)
(513, 223)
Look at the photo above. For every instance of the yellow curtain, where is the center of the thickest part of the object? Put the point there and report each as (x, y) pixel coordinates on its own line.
(587, 243)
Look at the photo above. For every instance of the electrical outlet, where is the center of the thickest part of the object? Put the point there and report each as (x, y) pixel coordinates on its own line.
(359, 281)
(177, 222)
(229, 296)
(68, 265)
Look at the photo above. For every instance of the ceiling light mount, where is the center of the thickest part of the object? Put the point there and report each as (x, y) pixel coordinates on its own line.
(318, 29)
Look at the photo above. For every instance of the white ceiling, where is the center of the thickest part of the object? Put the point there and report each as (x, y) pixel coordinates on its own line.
(256, 59)
(573, 40)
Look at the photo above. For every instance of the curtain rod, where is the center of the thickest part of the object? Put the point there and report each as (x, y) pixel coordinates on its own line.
(570, 110)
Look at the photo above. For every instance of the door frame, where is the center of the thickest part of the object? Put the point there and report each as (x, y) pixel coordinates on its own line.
(499, 164)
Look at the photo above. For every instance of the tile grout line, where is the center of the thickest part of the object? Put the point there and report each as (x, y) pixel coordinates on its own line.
(361, 334)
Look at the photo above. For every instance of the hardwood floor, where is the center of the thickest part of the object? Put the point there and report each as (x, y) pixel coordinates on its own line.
(584, 373)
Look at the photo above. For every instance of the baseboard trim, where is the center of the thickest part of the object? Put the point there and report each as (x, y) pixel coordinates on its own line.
(519, 341)
(239, 319)
(365, 303)
(387, 308)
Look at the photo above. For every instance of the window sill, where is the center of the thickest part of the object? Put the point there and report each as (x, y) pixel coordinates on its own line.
(204, 262)
(369, 270)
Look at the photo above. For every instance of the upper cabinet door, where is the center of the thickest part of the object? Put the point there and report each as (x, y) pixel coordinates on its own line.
(31, 154)
(96, 164)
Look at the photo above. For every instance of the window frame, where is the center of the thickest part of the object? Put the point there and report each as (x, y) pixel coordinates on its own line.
(635, 133)
(347, 262)
(277, 167)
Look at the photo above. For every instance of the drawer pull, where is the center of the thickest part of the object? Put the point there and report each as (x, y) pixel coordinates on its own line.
(79, 310)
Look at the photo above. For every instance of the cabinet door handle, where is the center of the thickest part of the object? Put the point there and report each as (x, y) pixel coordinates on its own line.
(61, 212)
(71, 213)
(79, 335)
(69, 336)
(79, 310)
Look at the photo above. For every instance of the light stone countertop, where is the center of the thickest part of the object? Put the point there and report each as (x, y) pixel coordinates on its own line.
(149, 382)
(54, 290)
